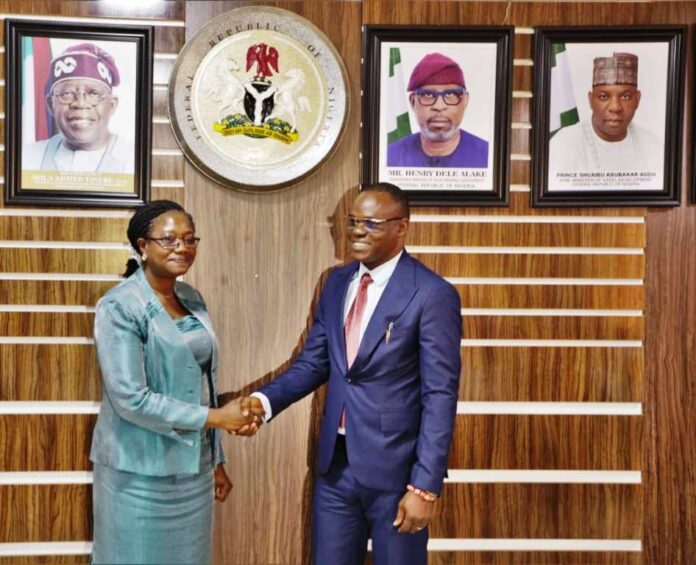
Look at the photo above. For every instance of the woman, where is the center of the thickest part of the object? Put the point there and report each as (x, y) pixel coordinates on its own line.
(156, 449)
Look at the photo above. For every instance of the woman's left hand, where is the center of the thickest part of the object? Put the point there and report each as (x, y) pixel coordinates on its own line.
(223, 484)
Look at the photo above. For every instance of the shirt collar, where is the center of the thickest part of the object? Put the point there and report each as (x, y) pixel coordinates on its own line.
(381, 274)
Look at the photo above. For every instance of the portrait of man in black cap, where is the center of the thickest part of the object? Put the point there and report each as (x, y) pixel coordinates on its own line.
(609, 141)
(438, 97)
(81, 99)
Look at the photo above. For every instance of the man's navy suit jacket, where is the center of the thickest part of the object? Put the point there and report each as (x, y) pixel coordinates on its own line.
(400, 394)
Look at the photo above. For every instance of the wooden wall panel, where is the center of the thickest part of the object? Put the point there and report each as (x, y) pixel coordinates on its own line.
(55, 293)
(95, 261)
(46, 560)
(551, 296)
(519, 206)
(538, 265)
(46, 513)
(47, 442)
(61, 324)
(552, 374)
(539, 511)
(600, 443)
(27, 228)
(31, 372)
(550, 327)
(537, 558)
(527, 234)
(167, 167)
(521, 111)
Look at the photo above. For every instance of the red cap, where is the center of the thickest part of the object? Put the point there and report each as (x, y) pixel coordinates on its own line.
(436, 68)
(84, 61)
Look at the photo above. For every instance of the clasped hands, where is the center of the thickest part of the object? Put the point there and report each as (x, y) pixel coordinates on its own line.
(239, 416)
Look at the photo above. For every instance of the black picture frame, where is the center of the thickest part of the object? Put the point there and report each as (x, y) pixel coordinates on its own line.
(35, 142)
(475, 186)
(635, 177)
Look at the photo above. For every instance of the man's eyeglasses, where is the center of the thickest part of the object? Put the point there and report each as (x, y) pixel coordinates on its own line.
(171, 242)
(92, 95)
(451, 96)
(370, 224)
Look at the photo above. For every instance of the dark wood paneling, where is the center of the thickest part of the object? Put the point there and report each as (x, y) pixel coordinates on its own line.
(169, 39)
(520, 141)
(161, 70)
(160, 99)
(526, 235)
(163, 193)
(48, 372)
(550, 296)
(519, 206)
(539, 511)
(520, 265)
(163, 137)
(520, 172)
(62, 324)
(552, 327)
(524, 46)
(76, 293)
(46, 560)
(167, 167)
(171, 10)
(96, 261)
(45, 442)
(46, 513)
(540, 374)
(521, 111)
(35, 228)
(534, 558)
(602, 443)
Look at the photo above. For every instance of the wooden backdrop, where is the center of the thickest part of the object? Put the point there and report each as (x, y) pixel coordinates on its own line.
(580, 332)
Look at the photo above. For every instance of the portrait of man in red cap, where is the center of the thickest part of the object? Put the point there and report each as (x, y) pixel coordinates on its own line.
(438, 97)
(80, 98)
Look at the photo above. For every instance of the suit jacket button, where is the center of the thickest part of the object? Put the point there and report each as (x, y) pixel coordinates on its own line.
(350, 381)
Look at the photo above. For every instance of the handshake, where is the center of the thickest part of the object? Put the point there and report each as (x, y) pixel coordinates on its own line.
(242, 416)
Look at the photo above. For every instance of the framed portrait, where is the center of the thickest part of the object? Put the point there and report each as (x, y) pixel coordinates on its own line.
(436, 112)
(78, 109)
(608, 116)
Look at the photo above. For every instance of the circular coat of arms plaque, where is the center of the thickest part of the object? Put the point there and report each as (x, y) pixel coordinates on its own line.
(257, 98)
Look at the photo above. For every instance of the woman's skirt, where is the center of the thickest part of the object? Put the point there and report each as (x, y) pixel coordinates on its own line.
(142, 519)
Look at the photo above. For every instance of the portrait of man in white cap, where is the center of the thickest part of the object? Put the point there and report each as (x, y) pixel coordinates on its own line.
(438, 97)
(609, 141)
(81, 100)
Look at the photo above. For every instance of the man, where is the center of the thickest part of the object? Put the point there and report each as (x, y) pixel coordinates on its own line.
(386, 337)
(438, 98)
(80, 98)
(609, 141)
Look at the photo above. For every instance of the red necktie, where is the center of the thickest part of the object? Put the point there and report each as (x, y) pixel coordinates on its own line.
(353, 323)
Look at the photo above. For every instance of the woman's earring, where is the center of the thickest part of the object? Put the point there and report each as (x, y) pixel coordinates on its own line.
(144, 256)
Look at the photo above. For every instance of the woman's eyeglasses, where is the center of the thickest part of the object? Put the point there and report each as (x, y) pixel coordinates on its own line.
(171, 242)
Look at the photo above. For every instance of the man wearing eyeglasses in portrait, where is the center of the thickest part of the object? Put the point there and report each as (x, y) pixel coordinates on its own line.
(438, 98)
(81, 100)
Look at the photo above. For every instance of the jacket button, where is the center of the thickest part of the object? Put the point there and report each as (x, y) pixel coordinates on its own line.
(349, 380)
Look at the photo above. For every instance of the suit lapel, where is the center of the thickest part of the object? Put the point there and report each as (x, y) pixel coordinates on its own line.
(334, 315)
(399, 291)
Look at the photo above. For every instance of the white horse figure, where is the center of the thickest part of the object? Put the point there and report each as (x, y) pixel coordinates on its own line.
(286, 100)
(229, 90)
